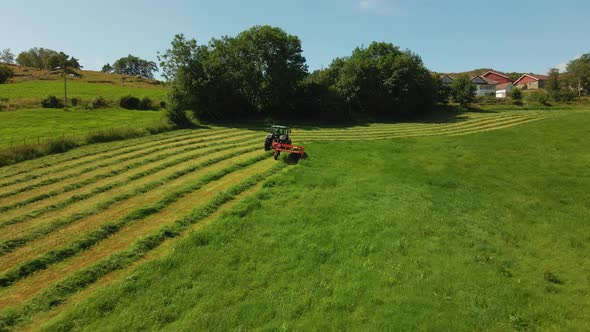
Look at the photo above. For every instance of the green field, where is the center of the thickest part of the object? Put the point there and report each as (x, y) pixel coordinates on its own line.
(30, 126)
(472, 222)
(38, 90)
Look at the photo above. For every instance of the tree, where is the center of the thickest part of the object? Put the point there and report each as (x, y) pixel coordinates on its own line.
(6, 56)
(580, 69)
(383, 80)
(43, 58)
(516, 96)
(553, 85)
(253, 74)
(463, 90)
(135, 66)
(5, 73)
(107, 68)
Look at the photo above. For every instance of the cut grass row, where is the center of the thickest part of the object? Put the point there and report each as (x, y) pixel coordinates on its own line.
(81, 178)
(70, 234)
(59, 292)
(110, 228)
(137, 188)
(125, 154)
(37, 282)
(472, 127)
(408, 127)
(30, 166)
(17, 240)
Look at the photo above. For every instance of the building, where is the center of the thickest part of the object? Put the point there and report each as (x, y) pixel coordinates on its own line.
(446, 79)
(531, 82)
(484, 86)
(499, 78)
(503, 89)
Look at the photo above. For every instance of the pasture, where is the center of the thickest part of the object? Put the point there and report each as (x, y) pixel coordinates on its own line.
(475, 222)
(39, 125)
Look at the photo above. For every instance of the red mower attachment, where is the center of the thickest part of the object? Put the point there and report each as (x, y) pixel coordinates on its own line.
(289, 148)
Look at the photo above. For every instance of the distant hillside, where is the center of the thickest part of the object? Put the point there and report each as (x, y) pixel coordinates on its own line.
(27, 74)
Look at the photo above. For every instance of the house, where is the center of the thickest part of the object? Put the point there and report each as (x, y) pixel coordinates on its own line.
(503, 89)
(499, 78)
(531, 82)
(446, 79)
(484, 86)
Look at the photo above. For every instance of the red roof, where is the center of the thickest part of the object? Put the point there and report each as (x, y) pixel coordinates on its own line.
(497, 74)
(503, 86)
(533, 76)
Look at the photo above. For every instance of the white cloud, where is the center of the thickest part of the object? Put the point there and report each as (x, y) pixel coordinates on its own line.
(380, 7)
(562, 67)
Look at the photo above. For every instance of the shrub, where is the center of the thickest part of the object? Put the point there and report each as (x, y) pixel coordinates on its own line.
(113, 135)
(98, 102)
(130, 102)
(145, 103)
(52, 102)
(75, 101)
(5, 73)
(539, 97)
(61, 145)
(563, 96)
(163, 104)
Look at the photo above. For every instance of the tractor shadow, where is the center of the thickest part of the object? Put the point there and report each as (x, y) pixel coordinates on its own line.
(293, 159)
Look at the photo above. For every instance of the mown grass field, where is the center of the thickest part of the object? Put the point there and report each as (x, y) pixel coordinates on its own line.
(33, 125)
(476, 222)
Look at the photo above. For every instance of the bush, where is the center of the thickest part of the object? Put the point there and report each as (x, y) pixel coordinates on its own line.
(539, 97)
(52, 102)
(75, 101)
(98, 102)
(61, 145)
(130, 102)
(163, 104)
(563, 96)
(145, 103)
(5, 73)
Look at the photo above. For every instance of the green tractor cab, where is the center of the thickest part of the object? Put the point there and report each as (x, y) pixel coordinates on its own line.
(279, 134)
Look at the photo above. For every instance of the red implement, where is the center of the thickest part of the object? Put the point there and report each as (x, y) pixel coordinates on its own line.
(289, 148)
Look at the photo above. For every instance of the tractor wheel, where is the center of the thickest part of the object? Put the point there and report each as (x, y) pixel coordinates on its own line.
(267, 144)
(276, 155)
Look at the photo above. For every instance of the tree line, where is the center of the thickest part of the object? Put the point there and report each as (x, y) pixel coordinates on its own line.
(44, 58)
(262, 72)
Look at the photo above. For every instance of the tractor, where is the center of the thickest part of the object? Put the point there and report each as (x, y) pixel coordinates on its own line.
(278, 140)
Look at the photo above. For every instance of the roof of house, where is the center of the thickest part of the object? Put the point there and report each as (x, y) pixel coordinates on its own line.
(485, 79)
(495, 73)
(533, 76)
(446, 75)
(503, 86)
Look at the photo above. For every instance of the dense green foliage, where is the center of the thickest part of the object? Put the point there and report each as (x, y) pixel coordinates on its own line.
(463, 90)
(516, 95)
(262, 73)
(580, 68)
(43, 58)
(383, 80)
(5, 73)
(52, 102)
(353, 239)
(133, 66)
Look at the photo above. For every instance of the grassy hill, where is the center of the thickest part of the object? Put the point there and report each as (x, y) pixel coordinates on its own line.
(29, 86)
(469, 223)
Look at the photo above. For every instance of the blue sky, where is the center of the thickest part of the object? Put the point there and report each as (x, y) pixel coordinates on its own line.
(450, 35)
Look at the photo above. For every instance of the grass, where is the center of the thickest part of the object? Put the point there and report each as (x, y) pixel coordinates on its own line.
(37, 90)
(40, 125)
(480, 232)
(57, 293)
